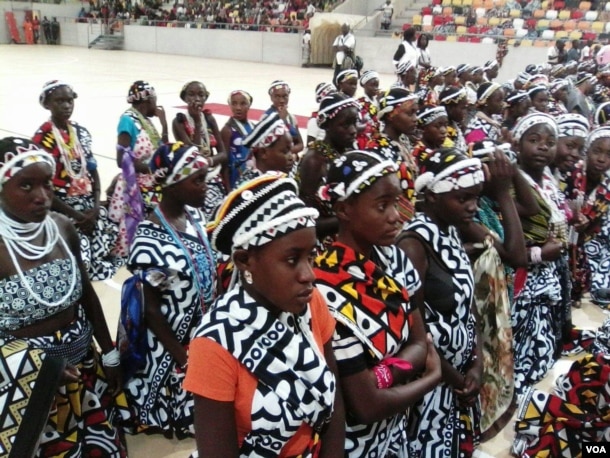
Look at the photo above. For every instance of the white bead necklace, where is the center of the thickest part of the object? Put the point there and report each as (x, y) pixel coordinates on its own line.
(18, 239)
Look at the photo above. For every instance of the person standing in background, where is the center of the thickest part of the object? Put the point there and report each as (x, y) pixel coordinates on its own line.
(343, 47)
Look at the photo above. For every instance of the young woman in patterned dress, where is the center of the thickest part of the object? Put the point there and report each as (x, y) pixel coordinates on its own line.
(173, 258)
(261, 366)
(446, 421)
(76, 181)
(385, 362)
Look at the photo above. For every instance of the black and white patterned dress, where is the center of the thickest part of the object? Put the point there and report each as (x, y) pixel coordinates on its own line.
(155, 392)
(438, 426)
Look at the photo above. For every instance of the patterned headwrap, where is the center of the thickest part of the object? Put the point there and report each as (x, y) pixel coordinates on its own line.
(602, 114)
(558, 84)
(522, 77)
(18, 154)
(596, 134)
(485, 91)
(463, 68)
(324, 89)
(533, 119)
(278, 84)
(140, 91)
(532, 69)
(206, 93)
(533, 90)
(268, 130)
(354, 172)
(174, 162)
(393, 99)
(537, 79)
(452, 95)
(332, 105)
(404, 67)
(490, 64)
(446, 170)
(584, 77)
(572, 125)
(240, 92)
(258, 212)
(368, 76)
(446, 70)
(346, 75)
(516, 97)
(557, 70)
(51, 86)
(430, 113)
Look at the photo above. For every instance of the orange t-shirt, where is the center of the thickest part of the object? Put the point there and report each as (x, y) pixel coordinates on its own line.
(215, 374)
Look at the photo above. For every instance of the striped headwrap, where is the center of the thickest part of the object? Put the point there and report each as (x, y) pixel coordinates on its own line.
(268, 130)
(430, 113)
(596, 134)
(278, 84)
(367, 76)
(393, 99)
(602, 114)
(332, 105)
(452, 95)
(247, 96)
(485, 91)
(446, 170)
(259, 212)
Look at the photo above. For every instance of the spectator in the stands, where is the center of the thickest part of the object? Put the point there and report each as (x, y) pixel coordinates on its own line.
(574, 51)
(407, 50)
(557, 53)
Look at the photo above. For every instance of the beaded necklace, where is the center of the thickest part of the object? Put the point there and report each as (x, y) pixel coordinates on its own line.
(18, 239)
(80, 184)
(205, 294)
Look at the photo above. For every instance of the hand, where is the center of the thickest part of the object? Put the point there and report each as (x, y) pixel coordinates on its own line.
(467, 396)
(283, 112)
(85, 223)
(71, 374)
(160, 113)
(552, 250)
(433, 361)
(580, 222)
(501, 171)
(115, 379)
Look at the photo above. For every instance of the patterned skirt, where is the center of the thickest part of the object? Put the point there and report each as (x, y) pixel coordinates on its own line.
(83, 417)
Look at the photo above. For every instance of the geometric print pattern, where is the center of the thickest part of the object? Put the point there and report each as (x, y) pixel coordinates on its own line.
(19, 368)
(295, 384)
(439, 425)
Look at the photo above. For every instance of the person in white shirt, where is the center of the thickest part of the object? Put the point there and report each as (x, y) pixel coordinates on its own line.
(407, 50)
(585, 52)
(556, 54)
(343, 47)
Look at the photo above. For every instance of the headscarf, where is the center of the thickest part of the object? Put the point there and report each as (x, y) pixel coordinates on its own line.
(393, 99)
(268, 130)
(522, 77)
(452, 95)
(485, 91)
(446, 70)
(516, 97)
(463, 68)
(602, 114)
(533, 119)
(537, 80)
(174, 162)
(140, 91)
(490, 64)
(533, 90)
(558, 84)
(346, 75)
(430, 113)
(596, 134)
(352, 173)
(259, 212)
(18, 154)
(446, 170)
(572, 125)
(584, 77)
(332, 105)
(206, 93)
(240, 92)
(367, 76)
(404, 67)
(278, 84)
(324, 89)
(49, 87)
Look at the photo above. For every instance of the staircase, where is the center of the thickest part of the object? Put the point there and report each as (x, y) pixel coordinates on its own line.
(105, 41)
(403, 16)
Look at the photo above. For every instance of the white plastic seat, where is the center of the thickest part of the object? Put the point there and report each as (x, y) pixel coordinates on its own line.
(427, 19)
(591, 15)
(551, 14)
(548, 34)
(518, 23)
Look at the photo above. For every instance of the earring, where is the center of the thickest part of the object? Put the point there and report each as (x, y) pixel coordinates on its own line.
(248, 277)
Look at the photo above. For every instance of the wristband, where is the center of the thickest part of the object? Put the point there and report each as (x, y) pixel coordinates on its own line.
(384, 376)
(536, 254)
(112, 358)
